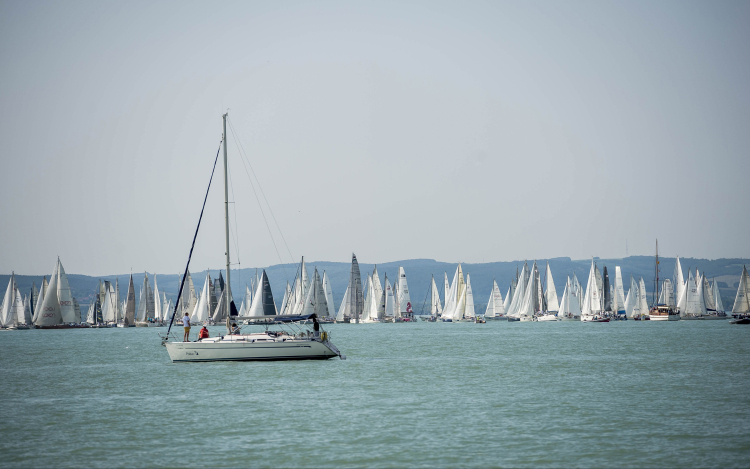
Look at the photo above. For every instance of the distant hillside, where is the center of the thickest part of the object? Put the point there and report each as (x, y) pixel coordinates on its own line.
(418, 272)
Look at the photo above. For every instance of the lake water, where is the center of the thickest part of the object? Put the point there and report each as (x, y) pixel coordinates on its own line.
(425, 395)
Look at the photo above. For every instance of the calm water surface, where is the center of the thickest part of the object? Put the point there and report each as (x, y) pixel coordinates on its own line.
(430, 394)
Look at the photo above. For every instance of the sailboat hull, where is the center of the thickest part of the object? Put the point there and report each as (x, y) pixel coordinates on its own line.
(243, 350)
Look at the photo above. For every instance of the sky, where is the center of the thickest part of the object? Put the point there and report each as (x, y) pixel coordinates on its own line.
(455, 131)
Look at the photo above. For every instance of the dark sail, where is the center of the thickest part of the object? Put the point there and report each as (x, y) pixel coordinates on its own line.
(607, 294)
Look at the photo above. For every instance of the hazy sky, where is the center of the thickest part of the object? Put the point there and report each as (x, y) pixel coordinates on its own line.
(459, 131)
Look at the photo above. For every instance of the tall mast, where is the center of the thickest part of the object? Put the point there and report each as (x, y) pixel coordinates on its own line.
(656, 281)
(226, 220)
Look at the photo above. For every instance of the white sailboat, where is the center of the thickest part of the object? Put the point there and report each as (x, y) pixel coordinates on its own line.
(404, 298)
(512, 312)
(570, 307)
(550, 299)
(370, 312)
(619, 296)
(631, 301)
(531, 302)
(592, 302)
(40, 299)
(12, 314)
(495, 307)
(267, 345)
(469, 313)
(389, 305)
(353, 302)
(741, 307)
(694, 306)
(436, 308)
(59, 311)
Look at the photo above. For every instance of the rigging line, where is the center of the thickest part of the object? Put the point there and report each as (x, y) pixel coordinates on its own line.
(236, 233)
(261, 189)
(195, 236)
(260, 206)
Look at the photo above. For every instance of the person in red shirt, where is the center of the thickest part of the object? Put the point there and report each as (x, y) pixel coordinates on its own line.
(203, 333)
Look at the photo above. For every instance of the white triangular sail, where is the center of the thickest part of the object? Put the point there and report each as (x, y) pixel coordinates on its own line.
(693, 306)
(592, 301)
(519, 294)
(390, 311)
(679, 280)
(619, 296)
(396, 300)
(469, 308)
(404, 298)
(717, 298)
(378, 288)
(49, 314)
(708, 294)
(40, 300)
(530, 303)
(201, 313)
(329, 294)
(64, 296)
(642, 302)
(158, 314)
(344, 308)
(631, 301)
(551, 293)
(368, 313)
(570, 306)
(436, 308)
(742, 300)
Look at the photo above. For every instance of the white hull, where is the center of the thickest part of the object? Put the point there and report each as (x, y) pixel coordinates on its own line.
(250, 347)
(671, 317)
(527, 318)
(547, 318)
(573, 318)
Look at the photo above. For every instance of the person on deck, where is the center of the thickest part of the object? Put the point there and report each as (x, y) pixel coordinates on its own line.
(316, 327)
(186, 324)
(203, 334)
(235, 329)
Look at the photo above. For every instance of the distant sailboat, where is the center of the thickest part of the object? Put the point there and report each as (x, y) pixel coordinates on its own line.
(570, 307)
(263, 304)
(495, 307)
(436, 308)
(592, 302)
(58, 309)
(353, 302)
(741, 305)
(404, 298)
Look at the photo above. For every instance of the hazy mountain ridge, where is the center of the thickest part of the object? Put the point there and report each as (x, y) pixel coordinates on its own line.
(418, 273)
